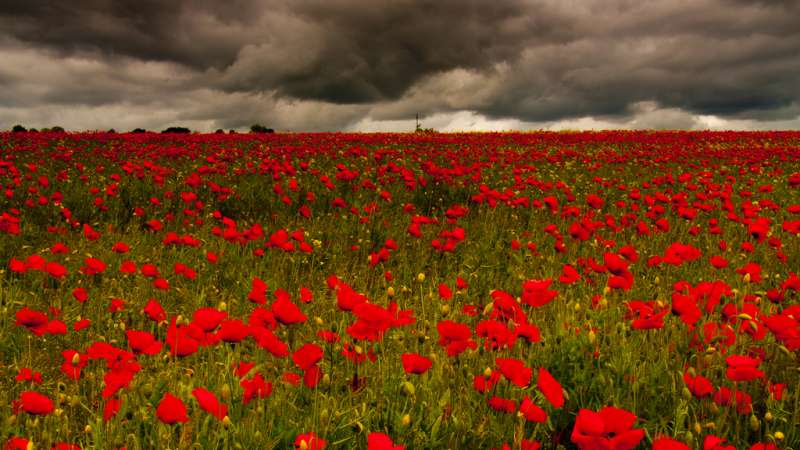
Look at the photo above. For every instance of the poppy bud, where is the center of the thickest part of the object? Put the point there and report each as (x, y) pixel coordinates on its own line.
(324, 415)
(30, 445)
(487, 372)
(87, 429)
(779, 436)
(390, 291)
(755, 424)
(577, 307)
(326, 380)
(227, 421)
(420, 277)
(318, 320)
(406, 421)
(687, 394)
(408, 388)
(225, 392)
(222, 306)
(592, 337)
(76, 358)
(768, 417)
(445, 309)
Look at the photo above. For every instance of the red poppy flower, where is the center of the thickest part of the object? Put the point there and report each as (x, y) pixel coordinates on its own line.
(34, 403)
(154, 311)
(531, 411)
(550, 388)
(743, 368)
(309, 441)
(142, 342)
(380, 441)
(171, 410)
(667, 443)
(208, 402)
(111, 408)
(307, 356)
(611, 428)
(515, 371)
(414, 363)
(287, 312)
(255, 387)
(208, 319)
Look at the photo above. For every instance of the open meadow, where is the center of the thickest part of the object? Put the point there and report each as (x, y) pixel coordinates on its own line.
(589, 290)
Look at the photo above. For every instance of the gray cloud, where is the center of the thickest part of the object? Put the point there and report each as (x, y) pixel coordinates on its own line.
(313, 64)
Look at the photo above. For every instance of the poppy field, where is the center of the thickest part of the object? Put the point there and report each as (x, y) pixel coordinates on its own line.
(577, 290)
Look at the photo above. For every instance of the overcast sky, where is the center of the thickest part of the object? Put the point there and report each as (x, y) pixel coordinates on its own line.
(370, 65)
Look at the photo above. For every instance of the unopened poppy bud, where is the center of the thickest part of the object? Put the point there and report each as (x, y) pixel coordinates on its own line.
(755, 424)
(420, 277)
(698, 428)
(408, 388)
(323, 415)
(779, 436)
(358, 349)
(768, 417)
(711, 425)
(303, 445)
(687, 394)
(390, 291)
(326, 380)
(225, 391)
(577, 307)
(76, 358)
(30, 445)
(122, 326)
(445, 309)
(222, 306)
(227, 421)
(318, 320)
(746, 277)
(744, 316)
(406, 421)
(87, 429)
(487, 372)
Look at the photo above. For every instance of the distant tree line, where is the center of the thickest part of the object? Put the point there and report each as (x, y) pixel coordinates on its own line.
(257, 128)
(20, 129)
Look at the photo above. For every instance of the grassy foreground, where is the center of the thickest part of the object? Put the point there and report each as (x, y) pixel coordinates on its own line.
(610, 290)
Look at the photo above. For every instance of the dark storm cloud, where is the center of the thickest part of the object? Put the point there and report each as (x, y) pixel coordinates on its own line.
(340, 62)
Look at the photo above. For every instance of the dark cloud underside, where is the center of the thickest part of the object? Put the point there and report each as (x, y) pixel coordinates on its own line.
(330, 64)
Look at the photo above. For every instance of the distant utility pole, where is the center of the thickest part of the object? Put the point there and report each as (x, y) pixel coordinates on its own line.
(417, 121)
